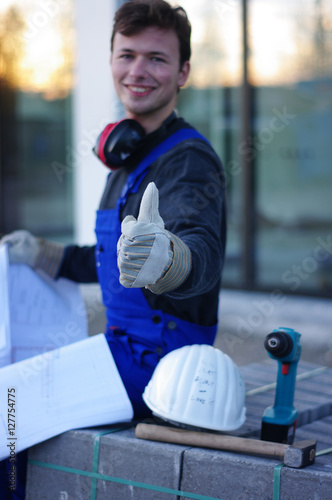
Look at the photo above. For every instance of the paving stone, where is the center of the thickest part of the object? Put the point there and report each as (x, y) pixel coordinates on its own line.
(125, 457)
(320, 430)
(226, 475)
(230, 476)
(321, 383)
(312, 483)
(123, 465)
(74, 466)
(72, 449)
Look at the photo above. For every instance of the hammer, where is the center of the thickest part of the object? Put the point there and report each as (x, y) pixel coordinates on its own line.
(298, 455)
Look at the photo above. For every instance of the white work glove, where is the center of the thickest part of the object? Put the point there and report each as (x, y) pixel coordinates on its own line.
(24, 248)
(148, 255)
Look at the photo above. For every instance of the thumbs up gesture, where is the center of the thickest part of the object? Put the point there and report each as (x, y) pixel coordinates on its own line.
(144, 248)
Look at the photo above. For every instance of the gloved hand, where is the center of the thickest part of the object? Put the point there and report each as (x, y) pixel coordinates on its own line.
(149, 255)
(24, 248)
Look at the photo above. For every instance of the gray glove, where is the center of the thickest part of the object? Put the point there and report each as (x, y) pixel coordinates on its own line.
(149, 255)
(24, 248)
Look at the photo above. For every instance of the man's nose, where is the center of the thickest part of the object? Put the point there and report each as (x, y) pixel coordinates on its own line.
(138, 68)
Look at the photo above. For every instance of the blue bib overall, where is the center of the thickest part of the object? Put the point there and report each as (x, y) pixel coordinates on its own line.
(137, 335)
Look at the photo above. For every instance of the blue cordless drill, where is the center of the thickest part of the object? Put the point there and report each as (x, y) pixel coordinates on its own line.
(279, 421)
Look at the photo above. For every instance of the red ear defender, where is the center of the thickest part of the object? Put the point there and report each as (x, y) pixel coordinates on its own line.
(99, 146)
(118, 141)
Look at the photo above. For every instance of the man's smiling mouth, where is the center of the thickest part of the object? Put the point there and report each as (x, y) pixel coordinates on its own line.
(139, 90)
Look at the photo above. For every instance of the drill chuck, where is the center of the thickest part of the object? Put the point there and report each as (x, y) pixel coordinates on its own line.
(279, 344)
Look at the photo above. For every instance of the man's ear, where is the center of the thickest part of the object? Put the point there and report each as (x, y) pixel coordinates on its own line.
(184, 74)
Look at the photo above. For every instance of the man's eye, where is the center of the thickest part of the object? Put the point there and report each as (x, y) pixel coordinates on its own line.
(158, 59)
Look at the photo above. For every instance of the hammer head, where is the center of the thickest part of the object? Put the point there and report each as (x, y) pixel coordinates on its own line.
(300, 454)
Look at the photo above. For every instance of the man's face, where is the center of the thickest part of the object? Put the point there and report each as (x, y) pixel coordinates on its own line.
(146, 73)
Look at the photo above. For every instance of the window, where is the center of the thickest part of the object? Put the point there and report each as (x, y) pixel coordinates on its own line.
(261, 91)
(36, 80)
(292, 77)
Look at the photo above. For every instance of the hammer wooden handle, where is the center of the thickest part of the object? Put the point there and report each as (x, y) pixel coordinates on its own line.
(210, 440)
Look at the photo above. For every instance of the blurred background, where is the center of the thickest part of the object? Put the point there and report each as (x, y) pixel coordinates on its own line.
(260, 90)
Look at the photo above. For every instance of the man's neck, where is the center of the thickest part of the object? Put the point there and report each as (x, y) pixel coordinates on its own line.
(151, 124)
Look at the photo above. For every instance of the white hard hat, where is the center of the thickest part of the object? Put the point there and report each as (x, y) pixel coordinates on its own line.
(197, 385)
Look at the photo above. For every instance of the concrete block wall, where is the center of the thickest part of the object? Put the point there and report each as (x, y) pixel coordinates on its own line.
(111, 463)
(128, 468)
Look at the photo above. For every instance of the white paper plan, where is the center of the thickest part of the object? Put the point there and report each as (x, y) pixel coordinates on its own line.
(71, 387)
(53, 377)
(38, 313)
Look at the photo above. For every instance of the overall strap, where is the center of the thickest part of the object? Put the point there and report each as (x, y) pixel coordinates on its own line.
(136, 177)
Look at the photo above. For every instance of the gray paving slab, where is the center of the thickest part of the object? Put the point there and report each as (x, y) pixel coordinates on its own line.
(320, 430)
(258, 374)
(266, 371)
(142, 463)
(321, 384)
(74, 450)
(305, 484)
(68, 467)
(314, 397)
(227, 476)
(323, 441)
(231, 476)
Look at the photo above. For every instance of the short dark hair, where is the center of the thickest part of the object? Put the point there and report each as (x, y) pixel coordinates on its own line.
(136, 15)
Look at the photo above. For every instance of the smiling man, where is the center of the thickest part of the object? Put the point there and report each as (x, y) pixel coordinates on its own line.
(161, 226)
(147, 74)
(172, 240)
